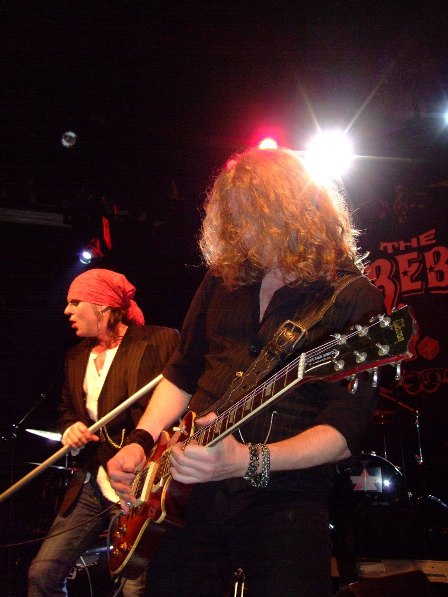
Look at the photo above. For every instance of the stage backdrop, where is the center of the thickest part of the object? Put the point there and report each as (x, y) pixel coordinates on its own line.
(406, 235)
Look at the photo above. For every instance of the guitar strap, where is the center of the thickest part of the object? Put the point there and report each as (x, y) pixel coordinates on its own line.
(286, 340)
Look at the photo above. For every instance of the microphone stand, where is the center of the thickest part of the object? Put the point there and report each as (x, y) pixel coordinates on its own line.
(62, 452)
(15, 427)
(93, 428)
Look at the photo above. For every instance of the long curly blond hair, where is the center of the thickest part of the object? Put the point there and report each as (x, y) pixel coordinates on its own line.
(263, 211)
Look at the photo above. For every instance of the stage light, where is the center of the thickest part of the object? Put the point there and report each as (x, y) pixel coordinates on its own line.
(85, 256)
(328, 156)
(268, 143)
(91, 251)
(69, 139)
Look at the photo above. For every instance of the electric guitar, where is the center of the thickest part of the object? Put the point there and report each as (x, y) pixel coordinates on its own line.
(160, 500)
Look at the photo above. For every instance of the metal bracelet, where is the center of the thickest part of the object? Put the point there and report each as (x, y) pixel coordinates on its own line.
(262, 479)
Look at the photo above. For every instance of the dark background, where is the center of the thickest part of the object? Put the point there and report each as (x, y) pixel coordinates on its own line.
(160, 94)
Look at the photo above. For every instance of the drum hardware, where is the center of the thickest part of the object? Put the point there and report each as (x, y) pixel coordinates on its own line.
(374, 480)
(91, 572)
(92, 554)
(239, 586)
(419, 456)
(60, 468)
(438, 501)
(383, 417)
(393, 397)
(51, 435)
(54, 437)
(434, 520)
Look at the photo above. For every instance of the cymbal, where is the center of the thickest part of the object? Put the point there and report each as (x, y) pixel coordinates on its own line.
(61, 468)
(56, 437)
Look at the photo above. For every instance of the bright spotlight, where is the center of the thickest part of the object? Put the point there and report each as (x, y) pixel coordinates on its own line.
(329, 156)
(267, 143)
(85, 256)
(91, 251)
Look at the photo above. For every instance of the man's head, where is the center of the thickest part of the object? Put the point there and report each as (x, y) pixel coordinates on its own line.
(98, 300)
(264, 211)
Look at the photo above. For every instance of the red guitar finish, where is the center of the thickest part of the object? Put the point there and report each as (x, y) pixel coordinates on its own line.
(160, 499)
(136, 535)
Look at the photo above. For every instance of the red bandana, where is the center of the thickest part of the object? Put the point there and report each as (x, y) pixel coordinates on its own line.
(108, 288)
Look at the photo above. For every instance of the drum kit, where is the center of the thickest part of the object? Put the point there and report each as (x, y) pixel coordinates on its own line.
(373, 477)
(386, 474)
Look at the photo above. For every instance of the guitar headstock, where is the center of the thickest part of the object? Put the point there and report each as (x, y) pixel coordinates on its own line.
(385, 339)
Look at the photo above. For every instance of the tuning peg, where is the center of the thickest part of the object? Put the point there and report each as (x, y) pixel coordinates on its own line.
(375, 377)
(361, 330)
(339, 364)
(353, 384)
(383, 349)
(398, 371)
(340, 338)
(384, 321)
(360, 356)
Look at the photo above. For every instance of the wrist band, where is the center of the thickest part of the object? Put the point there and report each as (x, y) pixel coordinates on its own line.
(262, 479)
(142, 438)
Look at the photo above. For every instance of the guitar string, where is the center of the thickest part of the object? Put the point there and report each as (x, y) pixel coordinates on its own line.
(285, 371)
(271, 381)
(202, 434)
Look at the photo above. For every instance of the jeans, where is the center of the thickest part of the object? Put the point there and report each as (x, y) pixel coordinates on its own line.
(47, 575)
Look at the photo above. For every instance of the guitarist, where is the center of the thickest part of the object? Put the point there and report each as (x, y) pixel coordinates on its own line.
(117, 356)
(275, 243)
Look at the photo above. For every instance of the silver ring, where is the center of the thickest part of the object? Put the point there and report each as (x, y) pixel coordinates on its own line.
(128, 504)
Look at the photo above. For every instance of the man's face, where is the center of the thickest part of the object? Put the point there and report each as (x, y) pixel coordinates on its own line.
(86, 318)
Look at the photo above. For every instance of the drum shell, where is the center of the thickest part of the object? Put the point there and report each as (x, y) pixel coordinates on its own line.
(371, 480)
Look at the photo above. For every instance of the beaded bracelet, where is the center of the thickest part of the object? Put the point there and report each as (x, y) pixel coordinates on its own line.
(262, 479)
(142, 438)
(252, 468)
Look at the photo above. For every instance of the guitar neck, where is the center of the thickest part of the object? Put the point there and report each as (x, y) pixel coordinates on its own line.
(385, 340)
(253, 403)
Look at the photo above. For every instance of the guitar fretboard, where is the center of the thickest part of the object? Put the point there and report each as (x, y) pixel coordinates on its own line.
(384, 340)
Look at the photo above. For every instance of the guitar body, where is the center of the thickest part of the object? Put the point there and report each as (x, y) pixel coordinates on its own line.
(136, 535)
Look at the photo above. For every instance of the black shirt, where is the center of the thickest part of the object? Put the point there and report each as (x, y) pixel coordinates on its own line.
(219, 338)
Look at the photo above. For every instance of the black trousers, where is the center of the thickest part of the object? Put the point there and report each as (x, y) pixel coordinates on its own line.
(280, 541)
